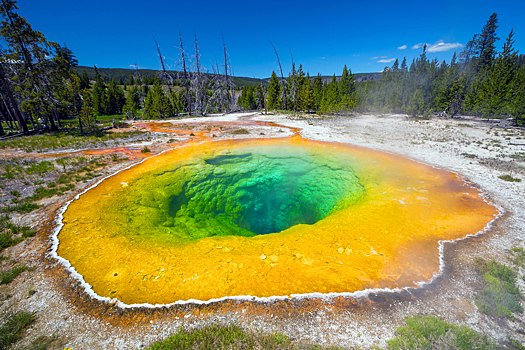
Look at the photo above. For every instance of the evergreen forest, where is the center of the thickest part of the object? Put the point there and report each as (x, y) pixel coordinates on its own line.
(41, 89)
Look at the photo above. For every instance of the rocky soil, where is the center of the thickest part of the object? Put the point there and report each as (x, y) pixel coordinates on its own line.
(478, 150)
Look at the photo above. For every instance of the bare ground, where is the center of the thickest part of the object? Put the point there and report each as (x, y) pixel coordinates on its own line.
(475, 149)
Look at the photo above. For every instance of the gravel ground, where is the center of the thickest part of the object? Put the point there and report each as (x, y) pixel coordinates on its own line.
(479, 151)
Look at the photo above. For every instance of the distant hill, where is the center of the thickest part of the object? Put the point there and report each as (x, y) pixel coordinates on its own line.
(123, 74)
(358, 77)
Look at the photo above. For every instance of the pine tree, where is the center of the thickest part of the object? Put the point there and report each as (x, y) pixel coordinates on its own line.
(347, 84)
(318, 91)
(517, 109)
(307, 96)
(486, 43)
(260, 97)
(132, 104)
(84, 80)
(99, 95)
(116, 98)
(30, 53)
(416, 104)
(331, 97)
(158, 105)
(87, 113)
(495, 94)
(274, 92)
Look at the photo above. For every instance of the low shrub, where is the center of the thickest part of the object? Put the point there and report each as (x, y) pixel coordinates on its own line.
(13, 326)
(8, 276)
(509, 178)
(429, 332)
(501, 296)
(223, 337)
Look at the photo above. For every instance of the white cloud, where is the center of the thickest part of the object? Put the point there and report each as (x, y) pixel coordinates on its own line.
(374, 58)
(417, 46)
(440, 46)
(404, 47)
(387, 60)
(323, 58)
(356, 55)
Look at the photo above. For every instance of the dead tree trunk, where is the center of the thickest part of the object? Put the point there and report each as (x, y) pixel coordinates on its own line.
(226, 75)
(165, 74)
(283, 93)
(21, 122)
(142, 100)
(8, 116)
(221, 86)
(188, 97)
(293, 87)
(200, 82)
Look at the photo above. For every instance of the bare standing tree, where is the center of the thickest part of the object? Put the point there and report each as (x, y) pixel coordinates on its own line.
(216, 100)
(226, 75)
(14, 106)
(164, 73)
(261, 97)
(283, 90)
(293, 87)
(139, 79)
(198, 82)
(218, 87)
(187, 83)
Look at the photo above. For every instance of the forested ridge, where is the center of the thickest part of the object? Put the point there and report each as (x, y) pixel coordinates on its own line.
(480, 81)
(42, 87)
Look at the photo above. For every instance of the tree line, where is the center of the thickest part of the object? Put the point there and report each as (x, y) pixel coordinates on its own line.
(299, 92)
(40, 89)
(480, 81)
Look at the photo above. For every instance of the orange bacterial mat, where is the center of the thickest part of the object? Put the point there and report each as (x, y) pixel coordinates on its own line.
(263, 218)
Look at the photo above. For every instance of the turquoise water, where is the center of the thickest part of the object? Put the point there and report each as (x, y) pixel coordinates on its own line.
(258, 191)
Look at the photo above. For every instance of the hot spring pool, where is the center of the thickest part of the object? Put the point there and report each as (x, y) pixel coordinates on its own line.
(265, 218)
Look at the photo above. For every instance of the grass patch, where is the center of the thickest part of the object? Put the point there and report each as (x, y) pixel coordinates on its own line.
(222, 337)
(41, 193)
(60, 140)
(517, 256)
(40, 168)
(8, 230)
(145, 150)
(240, 132)
(429, 332)
(105, 118)
(500, 297)
(229, 337)
(469, 155)
(44, 342)
(10, 275)
(63, 179)
(509, 178)
(26, 205)
(7, 241)
(22, 208)
(13, 326)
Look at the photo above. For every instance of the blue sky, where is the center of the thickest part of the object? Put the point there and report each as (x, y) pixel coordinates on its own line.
(323, 36)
